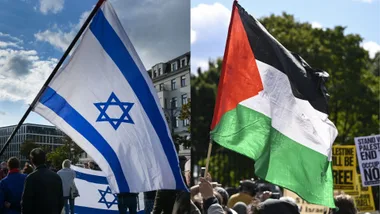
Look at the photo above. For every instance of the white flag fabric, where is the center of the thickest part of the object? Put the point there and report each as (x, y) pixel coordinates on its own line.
(95, 193)
(105, 101)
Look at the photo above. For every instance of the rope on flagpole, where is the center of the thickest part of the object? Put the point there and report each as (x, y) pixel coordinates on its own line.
(31, 106)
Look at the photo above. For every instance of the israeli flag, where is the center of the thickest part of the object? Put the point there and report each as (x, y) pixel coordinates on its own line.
(95, 194)
(105, 101)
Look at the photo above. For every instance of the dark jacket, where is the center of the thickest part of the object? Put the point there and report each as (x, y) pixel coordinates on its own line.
(11, 188)
(182, 203)
(43, 192)
(164, 202)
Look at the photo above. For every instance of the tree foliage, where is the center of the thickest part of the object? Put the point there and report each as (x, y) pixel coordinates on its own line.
(353, 86)
(27, 147)
(69, 150)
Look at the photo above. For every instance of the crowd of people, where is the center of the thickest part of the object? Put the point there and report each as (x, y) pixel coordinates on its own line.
(253, 197)
(40, 189)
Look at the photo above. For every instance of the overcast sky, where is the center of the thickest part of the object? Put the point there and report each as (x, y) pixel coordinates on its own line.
(35, 33)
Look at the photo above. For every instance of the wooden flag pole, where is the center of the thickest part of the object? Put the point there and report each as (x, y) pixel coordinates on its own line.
(31, 106)
(208, 157)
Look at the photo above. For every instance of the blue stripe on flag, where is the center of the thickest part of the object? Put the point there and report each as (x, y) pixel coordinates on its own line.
(62, 108)
(88, 210)
(115, 48)
(91, 178)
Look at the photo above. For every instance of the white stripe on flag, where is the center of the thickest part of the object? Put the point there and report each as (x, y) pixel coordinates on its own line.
(104, 100)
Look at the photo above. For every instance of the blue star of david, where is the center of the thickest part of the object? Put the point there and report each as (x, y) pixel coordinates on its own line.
(114, 101)
(103, 199)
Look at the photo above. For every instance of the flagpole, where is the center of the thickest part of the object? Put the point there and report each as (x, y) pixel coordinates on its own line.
(76, 38)
(223, 66)
(208, 157)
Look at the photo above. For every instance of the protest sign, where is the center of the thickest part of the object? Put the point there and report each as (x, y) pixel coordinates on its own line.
(368, 150)
(304, 206)
(344, 169)
(364, 202)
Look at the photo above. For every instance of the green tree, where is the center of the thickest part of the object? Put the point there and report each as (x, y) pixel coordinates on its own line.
(375, 67)
(27, 147)
(185, 113)
(353, 87)
(69, 150)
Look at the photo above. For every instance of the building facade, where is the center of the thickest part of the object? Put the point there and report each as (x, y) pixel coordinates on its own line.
(172, 82)
(42, 135)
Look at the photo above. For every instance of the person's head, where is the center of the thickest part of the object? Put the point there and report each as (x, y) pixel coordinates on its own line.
(13, 163)
(218, 196)
(240, 208)
(37, 157)
(27, 169)
(231, 190)
(188, 172)
(345, 205)
(4, 165)
(224, 195)
(290, 200)
(91, 165)
(66, 164)
(248, 187)
(274, 205)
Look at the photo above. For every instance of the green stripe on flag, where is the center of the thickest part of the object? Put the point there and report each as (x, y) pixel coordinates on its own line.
(279, 159)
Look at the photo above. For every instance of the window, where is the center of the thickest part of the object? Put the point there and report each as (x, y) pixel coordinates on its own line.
(184, 99)
(183, 62)
(159, 72)
(174, 103)
(186, 122)
(183, 81)
(161, 86)
(173, 84)
(174, 66)
(175, 122)
(166, 103)
(154, 73)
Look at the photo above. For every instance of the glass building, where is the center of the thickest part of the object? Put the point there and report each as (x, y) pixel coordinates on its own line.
(40, 134)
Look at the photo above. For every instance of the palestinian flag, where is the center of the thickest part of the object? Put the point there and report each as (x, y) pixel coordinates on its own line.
(272, 107)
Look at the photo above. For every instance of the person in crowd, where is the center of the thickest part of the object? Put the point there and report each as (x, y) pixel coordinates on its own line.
(3, 170)
(11, 188)
(345, 205)
(27, 169)
(247, 191)
(182, 201)
(67, 176)
(272, 206)
(224, 199)
(187, 171)
(194, 208)
(149, 201)
(210, 202)
(86, 166)
(127, 201)
(43, 193)
(231, 190)
(267, 190)
(169, 201)
(91, 165)
(240, 208)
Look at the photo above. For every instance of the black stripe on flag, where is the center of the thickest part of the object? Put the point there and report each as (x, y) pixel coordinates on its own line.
(307, 83)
